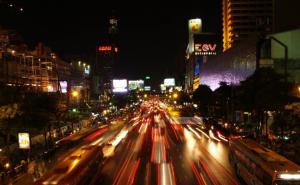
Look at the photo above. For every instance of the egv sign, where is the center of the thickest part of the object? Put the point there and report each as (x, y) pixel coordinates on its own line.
(205, 49)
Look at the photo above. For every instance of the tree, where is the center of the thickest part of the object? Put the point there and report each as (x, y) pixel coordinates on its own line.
(204, 96)
(224, 100)
(40, 111)
(263, 91)
(9, 112)
(183, 97)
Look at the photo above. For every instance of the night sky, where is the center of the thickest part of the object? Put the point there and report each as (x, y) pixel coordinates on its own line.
(152, 37)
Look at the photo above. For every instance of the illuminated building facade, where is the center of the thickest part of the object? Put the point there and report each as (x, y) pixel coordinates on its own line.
(194, 27)
(242, 18)
(201, 47)
(38, 70)
(232, 66)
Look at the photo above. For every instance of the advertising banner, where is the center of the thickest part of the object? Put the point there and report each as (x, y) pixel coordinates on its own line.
(24, 140)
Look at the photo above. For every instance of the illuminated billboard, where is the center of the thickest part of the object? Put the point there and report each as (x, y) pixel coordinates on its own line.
(63, 86)
(24, 140)
(195, 25)
(135, 84)
(86, 71)
(169, 82)
(147, 88)
(196, 83)
(119, 86)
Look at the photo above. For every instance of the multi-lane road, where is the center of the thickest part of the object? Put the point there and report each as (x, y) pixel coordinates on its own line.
(152, 147)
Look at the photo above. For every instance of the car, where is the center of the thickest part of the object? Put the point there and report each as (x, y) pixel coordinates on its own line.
(108, 150)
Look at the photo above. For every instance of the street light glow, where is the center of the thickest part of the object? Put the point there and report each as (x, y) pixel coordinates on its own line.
(75, 93)
(175, 95)
(7, 165)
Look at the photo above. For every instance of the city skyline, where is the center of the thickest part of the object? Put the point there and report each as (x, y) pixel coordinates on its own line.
(149, 93)
(149, 35)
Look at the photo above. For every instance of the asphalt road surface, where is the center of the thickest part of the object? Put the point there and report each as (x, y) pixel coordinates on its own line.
(153, 146)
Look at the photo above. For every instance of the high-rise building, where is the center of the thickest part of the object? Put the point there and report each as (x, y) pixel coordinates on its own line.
(106, 56)
(242, 18)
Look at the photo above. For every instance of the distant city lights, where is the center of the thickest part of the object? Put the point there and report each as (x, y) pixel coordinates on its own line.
(147, 88)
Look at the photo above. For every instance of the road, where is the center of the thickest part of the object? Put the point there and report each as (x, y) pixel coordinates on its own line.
(159, 149)
(155, 146)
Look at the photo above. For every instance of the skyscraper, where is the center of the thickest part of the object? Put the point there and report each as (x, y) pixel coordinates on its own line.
(106, 56)
(242, 18)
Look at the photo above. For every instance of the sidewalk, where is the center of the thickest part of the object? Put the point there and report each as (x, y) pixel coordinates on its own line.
(40, 162)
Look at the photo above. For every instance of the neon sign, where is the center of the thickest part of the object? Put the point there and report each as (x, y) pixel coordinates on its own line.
(105, 48)
(205, 49)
